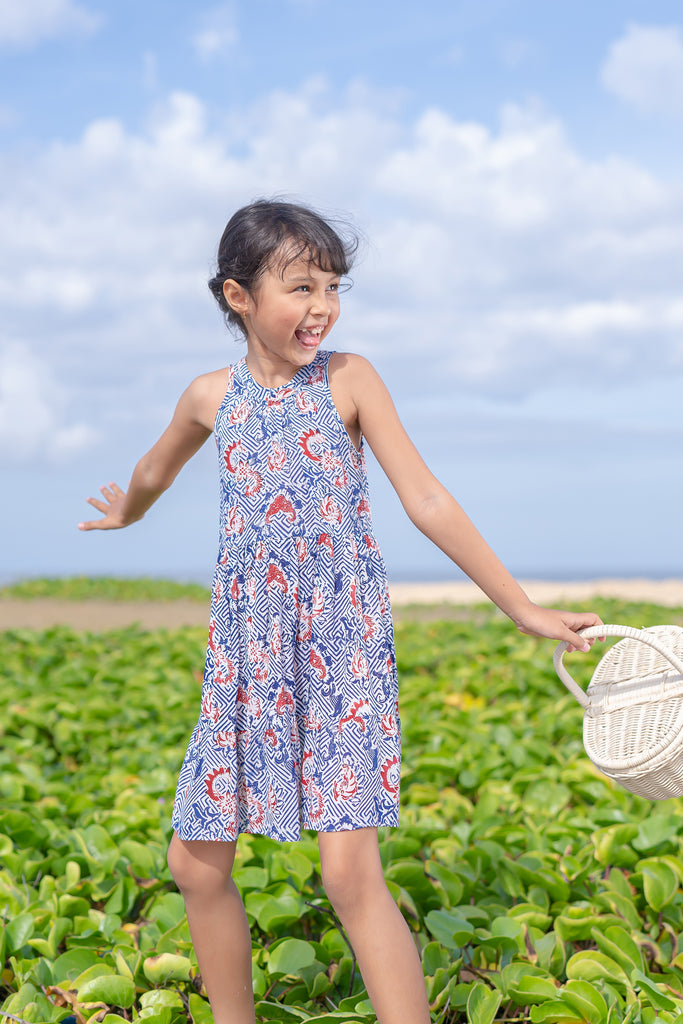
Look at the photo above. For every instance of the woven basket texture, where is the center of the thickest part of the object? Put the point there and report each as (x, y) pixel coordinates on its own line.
(633, 727)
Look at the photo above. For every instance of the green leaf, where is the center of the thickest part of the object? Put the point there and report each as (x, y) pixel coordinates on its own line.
(516, 972)
(159, 1015)
(72, 964)
(531, 915)
(437, 983)
(586, 1000)
(290, 956)
(450, 930)
(200, 1009)
(654, 996)
(531, 990)
(343, 1018)
(290, 864)
(611, 845)
(250, 878)
(98, 846)
(655, 831)
(168, 909)
(18, 931)
(167, 967)
(451, 883)
(158, 997)
(592, 965)
(276, 1011)
(433, 957)
(618, 944)
(623, 906)
(96, 970)
(556, 1011)
(482, 1004)
(282, 906)
(25, 831)
(113, 989)
(660, 884)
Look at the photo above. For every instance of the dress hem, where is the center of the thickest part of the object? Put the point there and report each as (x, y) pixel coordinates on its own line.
(285, 838)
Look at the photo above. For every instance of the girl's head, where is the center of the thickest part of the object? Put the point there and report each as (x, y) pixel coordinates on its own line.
(270, 235)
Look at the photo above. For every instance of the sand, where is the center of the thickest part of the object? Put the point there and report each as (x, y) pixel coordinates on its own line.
(40, 613)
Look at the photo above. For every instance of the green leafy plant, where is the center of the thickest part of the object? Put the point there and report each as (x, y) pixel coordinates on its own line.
(536, 889)
(104, 588)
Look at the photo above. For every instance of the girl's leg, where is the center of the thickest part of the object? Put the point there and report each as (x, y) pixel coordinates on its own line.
(387, 956)
(218, 925)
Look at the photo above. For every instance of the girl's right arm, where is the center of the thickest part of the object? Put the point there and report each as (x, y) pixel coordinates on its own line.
(191, 425)
(366, 408)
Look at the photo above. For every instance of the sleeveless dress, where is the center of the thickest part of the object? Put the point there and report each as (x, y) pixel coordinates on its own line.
(299, 724)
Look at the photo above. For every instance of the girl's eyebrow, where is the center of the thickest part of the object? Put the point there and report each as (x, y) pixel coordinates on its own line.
(307, 278)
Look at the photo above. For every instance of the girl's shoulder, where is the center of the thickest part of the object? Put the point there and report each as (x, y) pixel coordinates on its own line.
(351, 373)
(205, 394)
(354, 386)
(349, 365)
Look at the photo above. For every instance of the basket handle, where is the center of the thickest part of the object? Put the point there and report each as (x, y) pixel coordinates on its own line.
(590, 633)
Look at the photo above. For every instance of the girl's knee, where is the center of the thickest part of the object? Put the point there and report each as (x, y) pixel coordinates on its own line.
(351, 872)
(200, 866)
(180, 863)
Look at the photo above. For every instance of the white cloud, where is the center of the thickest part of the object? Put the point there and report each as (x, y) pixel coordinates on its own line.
(25, 23)
(217, 32)
(503, 257)
(33, 410)
(645, 69)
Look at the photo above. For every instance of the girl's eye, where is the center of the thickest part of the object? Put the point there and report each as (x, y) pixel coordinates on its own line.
(334, 287)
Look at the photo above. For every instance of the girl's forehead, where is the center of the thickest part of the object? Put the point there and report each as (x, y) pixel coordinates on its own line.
(304, 266)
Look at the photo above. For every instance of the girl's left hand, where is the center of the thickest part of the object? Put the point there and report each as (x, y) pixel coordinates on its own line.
(558, 625)
(111, 509)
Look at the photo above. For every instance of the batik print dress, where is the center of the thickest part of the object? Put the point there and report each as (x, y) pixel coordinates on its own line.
(299, 721)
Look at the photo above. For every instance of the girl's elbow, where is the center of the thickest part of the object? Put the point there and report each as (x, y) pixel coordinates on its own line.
(153, 477)
(422, 511)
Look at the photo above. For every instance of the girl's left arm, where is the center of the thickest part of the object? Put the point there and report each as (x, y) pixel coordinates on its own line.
(158, 468)
(438, 515)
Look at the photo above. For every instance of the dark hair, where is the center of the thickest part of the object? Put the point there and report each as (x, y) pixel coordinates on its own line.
(269, 233)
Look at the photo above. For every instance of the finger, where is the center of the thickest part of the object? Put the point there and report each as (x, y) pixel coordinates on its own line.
(99, 505)
(107, 493)
(92, 524)
(117, 490)
(577, 643)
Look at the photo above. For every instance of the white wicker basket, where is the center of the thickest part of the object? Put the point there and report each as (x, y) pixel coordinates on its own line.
(633, 726)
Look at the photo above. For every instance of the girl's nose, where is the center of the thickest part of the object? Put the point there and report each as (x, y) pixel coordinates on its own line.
(320, 303)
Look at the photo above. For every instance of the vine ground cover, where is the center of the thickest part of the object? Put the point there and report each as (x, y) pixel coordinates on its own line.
(536, 890)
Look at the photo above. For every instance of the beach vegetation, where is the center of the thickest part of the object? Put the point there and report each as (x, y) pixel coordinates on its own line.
(536, 889)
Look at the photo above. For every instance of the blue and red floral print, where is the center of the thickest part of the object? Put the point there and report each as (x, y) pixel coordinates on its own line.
(299, 724)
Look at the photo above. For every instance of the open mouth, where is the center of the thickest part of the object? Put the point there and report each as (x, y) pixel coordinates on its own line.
(309, 335)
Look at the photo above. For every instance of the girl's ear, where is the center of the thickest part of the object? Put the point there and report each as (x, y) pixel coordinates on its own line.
(236, 297)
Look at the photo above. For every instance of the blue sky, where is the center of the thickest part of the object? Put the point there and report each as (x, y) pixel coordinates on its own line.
(515, 168)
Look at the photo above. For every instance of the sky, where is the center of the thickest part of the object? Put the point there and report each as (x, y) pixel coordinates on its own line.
(514, 168)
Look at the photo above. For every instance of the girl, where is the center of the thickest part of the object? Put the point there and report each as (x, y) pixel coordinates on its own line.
(299, 721)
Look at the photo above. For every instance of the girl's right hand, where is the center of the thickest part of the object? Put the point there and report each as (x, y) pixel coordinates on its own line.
(111, 507)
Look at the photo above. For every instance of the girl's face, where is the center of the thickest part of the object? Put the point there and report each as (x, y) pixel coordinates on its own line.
(289, 313)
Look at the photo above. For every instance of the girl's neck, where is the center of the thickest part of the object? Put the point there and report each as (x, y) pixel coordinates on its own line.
(271, 371)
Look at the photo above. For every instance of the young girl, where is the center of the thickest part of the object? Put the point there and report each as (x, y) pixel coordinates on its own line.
(299, 724)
